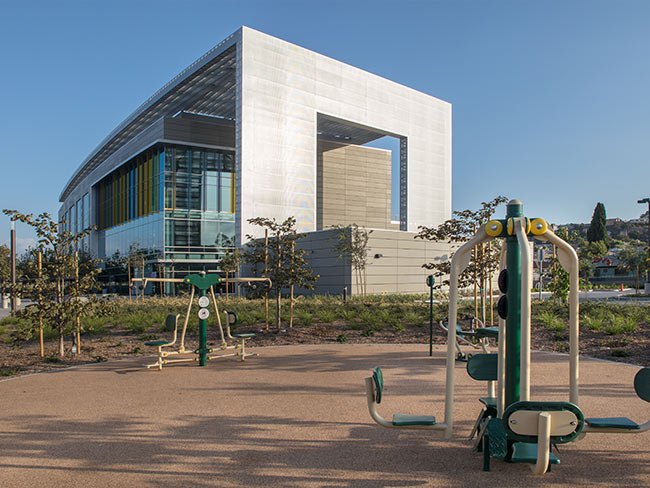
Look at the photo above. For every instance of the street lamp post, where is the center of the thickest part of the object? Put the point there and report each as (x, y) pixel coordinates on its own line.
(647, 200)
(13, 266)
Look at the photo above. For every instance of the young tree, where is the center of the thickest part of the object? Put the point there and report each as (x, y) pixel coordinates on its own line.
(597, 228)
(485, 259)
(634, 257)
(231, 263)
(459, 230)
(5, 268)
(62, 280)
(352, 244)
(588, 254)
(287, 263)
(560, 282)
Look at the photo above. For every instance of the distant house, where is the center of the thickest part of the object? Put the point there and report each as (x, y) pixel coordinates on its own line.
(609, 269)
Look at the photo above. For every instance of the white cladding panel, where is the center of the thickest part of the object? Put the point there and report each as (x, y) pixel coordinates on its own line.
(283, 87)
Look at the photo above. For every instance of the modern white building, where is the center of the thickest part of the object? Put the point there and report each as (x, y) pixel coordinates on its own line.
(259, 127)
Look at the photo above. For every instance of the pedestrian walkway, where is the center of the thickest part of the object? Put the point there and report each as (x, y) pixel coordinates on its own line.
(295, 416)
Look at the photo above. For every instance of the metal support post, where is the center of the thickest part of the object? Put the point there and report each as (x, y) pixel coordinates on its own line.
(13, 266)
(514, 210)
(430, 283)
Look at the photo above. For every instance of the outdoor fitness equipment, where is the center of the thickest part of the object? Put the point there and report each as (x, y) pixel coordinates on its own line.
(478, 332)
(205, 284)
(511, 426)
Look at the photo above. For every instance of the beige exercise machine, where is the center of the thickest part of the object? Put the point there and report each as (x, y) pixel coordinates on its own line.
(166, 349)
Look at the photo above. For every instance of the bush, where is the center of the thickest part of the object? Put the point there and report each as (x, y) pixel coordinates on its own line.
(326, 316)
(619, 324)
(304, 317)
(620, 353)
(369, 318)
(593, 323)
(551, 321)
(413, 318)
(93, 325)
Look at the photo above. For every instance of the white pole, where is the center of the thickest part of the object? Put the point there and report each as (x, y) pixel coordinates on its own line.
(569, 261)
(526, 285)
(541, 266)
(458, 263)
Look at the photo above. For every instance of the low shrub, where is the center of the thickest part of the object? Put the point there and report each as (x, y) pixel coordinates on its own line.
(551, 321)
(619, 324)
(620, 353)
(326, 316)
(412, 318)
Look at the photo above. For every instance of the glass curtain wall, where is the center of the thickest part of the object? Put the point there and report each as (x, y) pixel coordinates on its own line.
(76, 219)
(173, 203)
(129, 206)
(199, 202)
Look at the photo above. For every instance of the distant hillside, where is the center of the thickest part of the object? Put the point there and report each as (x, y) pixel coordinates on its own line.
(618, 229)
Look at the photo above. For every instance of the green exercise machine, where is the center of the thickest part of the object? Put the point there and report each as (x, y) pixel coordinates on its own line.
(510, 425)
(169, 352)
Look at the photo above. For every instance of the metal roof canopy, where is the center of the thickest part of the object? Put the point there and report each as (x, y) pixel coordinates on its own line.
(347, 132)
(207, 86)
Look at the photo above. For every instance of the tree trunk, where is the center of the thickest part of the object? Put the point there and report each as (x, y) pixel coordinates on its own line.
(491, 300)
(293, 253)
(475, 276)
(142, 280)
(77, 298)
(128, 270)
(266, 271)
(278, 320)
(358, 279)
(173, 284)
(59, 293)
(291, 310)
(278, 294)
(365, 282)
(61, 348)
(40, 304)
(227, 284)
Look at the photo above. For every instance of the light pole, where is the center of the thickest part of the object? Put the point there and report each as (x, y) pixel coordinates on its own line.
(647, 200)
(13, 266)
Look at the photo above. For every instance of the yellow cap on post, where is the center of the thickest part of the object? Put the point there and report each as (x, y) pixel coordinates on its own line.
(538, 227)
(493, 228)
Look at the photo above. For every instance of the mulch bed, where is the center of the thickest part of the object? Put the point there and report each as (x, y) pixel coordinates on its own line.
(118, 343)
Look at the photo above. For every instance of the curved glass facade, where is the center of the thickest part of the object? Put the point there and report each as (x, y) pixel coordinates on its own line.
(170, 202)
(199, 202)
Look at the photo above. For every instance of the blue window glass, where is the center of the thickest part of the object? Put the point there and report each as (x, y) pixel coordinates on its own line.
(226, 193)
(161, 182)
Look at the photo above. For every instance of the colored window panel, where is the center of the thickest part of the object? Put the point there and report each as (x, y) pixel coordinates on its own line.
(181, 237)
(195, 192)
(212, 198)
(226, 193)
(209, 233)
(227, 234)
(181, 160)
(161, 182)
(195, 232)
(197, 162)
(181, 193)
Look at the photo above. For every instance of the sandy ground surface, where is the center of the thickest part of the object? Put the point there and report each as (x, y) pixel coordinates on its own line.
(295, 416)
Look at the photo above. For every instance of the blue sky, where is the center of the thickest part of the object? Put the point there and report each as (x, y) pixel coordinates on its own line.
(550, 99)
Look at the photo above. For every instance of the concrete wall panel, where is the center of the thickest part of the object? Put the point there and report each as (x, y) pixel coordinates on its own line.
(284, 87)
